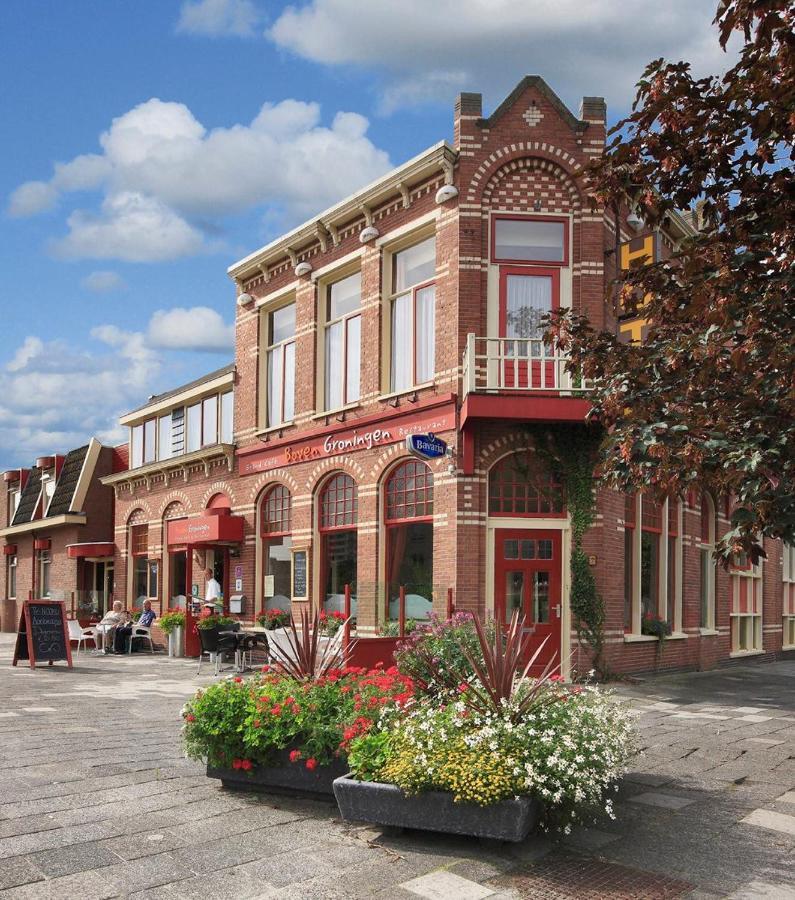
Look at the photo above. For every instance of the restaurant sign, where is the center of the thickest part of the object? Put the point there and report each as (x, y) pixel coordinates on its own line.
(427, 446)
(205, 529)
(351, 440)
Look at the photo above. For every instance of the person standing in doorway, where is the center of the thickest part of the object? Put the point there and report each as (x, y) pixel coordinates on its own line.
(212, 590)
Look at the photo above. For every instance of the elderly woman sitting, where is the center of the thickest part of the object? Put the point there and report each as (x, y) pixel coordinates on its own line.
(110, 621)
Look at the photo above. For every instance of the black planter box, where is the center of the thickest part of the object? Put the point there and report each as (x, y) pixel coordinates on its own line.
(386, 804)
(283, 777)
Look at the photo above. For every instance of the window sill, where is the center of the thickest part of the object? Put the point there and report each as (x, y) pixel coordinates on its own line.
(274, 428)
(338, 410)
(639, 638)
(677, 636)
(788, 646)
(708, 632)
(405, 391)
(737, 653)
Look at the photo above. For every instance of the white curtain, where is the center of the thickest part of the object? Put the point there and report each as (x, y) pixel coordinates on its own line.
(275, 386)
(289, 382)
(352, 354)
(334, 366)
(528, 298)
(424, 338)
(401, 343)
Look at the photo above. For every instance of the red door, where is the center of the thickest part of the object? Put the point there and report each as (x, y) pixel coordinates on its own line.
(526, 296)
(527, 571)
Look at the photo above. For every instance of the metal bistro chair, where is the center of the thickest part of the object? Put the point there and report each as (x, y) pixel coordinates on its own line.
(248, 644)
(214, 646)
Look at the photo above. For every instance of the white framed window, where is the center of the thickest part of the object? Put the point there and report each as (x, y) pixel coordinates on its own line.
(210, 421)
(652, 562)
(707, 570)
(45, 561)
(11, 580)
(342, 346)
(280, 366)
(150, 438)
(165, 446)
(746, 606)
(13, 503)
(193, 428)
(413, 315)
(136, 446)
(227, 418)
(788, 608)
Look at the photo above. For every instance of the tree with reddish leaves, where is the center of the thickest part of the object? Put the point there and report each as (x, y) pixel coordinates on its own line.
(707, 399)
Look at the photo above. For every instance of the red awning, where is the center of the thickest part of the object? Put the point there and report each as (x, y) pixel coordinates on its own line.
(81, 551)
(9, 549)
(205, 529)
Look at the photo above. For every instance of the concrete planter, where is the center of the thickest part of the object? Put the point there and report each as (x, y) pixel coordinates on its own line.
(386, 804)
(283, 777)
(176, 644)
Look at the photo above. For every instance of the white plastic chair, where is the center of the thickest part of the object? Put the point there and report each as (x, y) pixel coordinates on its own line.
(140, 631)
(79, 634)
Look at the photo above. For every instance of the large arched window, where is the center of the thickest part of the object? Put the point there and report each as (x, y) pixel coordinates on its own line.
(276, 534)
(408, 517)
(520, 485)
(338, 515)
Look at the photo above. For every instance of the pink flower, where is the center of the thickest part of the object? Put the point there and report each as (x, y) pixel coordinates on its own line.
(246, 765)
(295, 755)
(311, 763)
(237, 763)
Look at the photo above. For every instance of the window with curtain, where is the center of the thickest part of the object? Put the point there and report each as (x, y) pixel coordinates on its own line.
(136, 446)
(529, 240)
(746, 606)
(706, 549)
(408, 517)
(413, 311)
(194, 427)
(338, 517)
(165, 446)
(210, 421)
(280, 356)
(150, 430)
(227, 414)
(275, 528)
(343, 341)
(45, 561)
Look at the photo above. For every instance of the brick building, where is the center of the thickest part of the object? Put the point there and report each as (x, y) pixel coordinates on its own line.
(414, 307)
(57, 534)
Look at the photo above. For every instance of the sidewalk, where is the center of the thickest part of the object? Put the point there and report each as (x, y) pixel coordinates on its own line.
(96, 800)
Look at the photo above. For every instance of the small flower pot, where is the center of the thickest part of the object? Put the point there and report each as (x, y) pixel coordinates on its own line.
(386, 804)
(283, 777)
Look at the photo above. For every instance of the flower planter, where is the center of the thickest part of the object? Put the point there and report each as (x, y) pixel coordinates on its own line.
(176, 648)
(283, 777)
(386, 804)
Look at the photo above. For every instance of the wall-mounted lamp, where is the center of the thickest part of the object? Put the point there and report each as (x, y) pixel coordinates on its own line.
(634, 221)
(370, 233)
(244, 299)
(446, 192)
(303, 268)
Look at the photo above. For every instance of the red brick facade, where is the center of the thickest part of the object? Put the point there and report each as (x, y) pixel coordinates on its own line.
(521, 161)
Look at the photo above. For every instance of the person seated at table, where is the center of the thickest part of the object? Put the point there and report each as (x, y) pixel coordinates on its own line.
(108, 624)
(124, 630)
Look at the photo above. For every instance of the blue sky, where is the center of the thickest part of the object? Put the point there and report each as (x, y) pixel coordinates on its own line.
(148, 144)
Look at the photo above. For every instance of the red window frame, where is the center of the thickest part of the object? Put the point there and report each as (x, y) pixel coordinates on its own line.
(528, 270)
(340, 489)
(276, 508)
(139, 540)
(528, 262)
(397, 499)
(554, 484)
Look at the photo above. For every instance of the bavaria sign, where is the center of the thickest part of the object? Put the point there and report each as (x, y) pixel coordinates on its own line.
(428, 446)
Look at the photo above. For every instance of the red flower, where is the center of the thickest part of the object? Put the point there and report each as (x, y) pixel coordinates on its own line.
(239, 680)
(256, 723)
(190, 718)
(295, 755)
(277, 710)
(237, 763)
(246, 765)
(311, 763)
(463, 687)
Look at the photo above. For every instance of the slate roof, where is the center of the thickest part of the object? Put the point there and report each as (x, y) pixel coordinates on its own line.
(29, 500)
(61, 502)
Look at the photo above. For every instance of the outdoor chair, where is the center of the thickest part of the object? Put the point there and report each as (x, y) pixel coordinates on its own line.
(142, 633)
(80, 634)
(214, 646)
(249, 644)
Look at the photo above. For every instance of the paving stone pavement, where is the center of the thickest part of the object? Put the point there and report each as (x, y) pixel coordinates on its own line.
(97, 800)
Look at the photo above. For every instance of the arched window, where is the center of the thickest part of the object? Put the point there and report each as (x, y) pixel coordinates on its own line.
(277, 542)
(337, 519)
(520, 485)
(706, 549)
(408, 516)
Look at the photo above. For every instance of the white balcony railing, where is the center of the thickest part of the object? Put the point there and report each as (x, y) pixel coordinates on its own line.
(517, 364)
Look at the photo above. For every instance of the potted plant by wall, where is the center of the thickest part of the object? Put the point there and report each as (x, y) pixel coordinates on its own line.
(272, 619)
(173, 624)
(288, 727)
(500, 749)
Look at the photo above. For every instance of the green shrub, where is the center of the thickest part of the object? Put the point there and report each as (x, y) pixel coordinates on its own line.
(171, 621)
(214, 622)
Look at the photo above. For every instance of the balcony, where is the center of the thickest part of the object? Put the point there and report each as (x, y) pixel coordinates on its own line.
(520, 380)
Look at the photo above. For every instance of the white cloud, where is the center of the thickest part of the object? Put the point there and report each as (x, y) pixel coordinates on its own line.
(30, 349)
(132, 227)
(162, 171)
(198, 328)
(600, 47)
(103, 282)
(215, 18)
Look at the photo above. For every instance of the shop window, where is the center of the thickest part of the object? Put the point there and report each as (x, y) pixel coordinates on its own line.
(409, 527)
(11, 580)
(45, 563)
(276, 527)
(338, 540)
(280, 365)
(707, 571)
(529, 240)
(746, 606)
(139, 548)
(343, 341)
(520, 486)
(413, 315)
(788, 610)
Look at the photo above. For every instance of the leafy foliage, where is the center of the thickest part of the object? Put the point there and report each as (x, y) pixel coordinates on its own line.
(273, 618)
(307, 658)
(171, 620)
(209, 622)
(707, 399)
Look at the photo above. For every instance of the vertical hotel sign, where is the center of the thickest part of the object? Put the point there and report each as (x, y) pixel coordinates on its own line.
(634, 253)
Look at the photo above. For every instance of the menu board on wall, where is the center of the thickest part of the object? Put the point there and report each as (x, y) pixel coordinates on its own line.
(299, 573)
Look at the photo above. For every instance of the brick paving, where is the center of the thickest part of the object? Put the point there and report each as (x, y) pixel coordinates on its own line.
(96, 800)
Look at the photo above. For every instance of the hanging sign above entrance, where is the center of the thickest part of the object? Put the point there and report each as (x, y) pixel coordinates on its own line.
(427, 446)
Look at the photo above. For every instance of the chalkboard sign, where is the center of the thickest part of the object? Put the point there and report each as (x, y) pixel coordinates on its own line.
(299, 573)
(43, 634)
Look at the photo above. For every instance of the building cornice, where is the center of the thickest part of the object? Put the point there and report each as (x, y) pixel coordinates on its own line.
(439, 158)
(178, 399)
(44, 524)
(182, 462)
